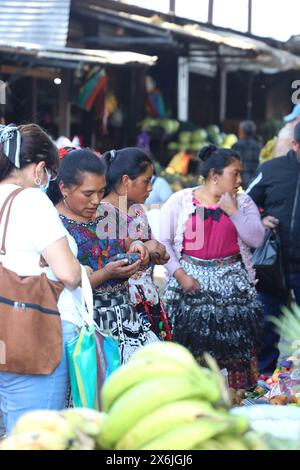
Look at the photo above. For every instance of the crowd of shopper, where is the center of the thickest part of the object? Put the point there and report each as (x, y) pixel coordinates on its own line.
(80, 208)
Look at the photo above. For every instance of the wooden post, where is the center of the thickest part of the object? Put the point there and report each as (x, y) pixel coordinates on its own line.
(64, 127)
(210, 11)
(172, 7)
(223, 94)
(34, 99)
(2, 101)
(250, 95)
(249, 17)
(183, 88)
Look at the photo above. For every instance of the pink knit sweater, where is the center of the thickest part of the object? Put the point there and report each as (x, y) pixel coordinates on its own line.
(177, 210)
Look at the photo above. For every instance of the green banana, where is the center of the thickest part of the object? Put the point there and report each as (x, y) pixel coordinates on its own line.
(188, 436)
(86, 420)
(170, 351)
(162, 420)
(211, 444)
(216, 373)
(145, 398)
(165, 350)
(145, 367)
(255, 441)
(228, 442)
(239, 425)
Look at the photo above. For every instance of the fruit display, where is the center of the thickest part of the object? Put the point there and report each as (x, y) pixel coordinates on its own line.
(192, 140)
(198, 138)
(71, 429)
(267, 152)
(163, 400)
(168, 126)
(178, 181)
(160, 400)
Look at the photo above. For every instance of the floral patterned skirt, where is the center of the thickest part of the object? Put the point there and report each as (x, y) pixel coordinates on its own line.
(145, 297)
(223, 319)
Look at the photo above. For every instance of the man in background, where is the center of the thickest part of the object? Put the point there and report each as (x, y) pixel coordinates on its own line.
(285, 136)
(276, 190)
(249, 149)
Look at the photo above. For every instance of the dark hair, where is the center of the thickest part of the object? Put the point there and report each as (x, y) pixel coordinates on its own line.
(71, 169)
(214, 158)
(129, 161)
(36, 147)
(248, 127)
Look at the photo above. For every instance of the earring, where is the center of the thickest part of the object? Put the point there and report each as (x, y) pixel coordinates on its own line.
(215, 181)
(37, 181)
(65, 202)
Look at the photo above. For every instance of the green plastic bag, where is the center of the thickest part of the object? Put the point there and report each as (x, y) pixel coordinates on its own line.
(82, 353)
(82, 356)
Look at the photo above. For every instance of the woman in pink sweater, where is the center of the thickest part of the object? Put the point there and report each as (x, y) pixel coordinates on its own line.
(210, 296)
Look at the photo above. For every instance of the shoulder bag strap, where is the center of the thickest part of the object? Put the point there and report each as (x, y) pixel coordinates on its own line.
(8, 201)
(87, 309)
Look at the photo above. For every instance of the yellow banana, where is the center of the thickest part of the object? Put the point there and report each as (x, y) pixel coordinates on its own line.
(48, 420)
(35, 440)
(188, 436)
(162, 420)
(145, 398)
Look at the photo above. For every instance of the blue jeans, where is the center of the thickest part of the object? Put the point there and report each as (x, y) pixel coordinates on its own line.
(22, 393)
(269, 353)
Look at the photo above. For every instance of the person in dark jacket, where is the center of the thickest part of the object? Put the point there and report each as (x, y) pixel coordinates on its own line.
(276, 189)
(249, 149)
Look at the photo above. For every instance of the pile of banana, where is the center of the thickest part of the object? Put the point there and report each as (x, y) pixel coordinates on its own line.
(163, 400)
(160, 400)
(71, 429)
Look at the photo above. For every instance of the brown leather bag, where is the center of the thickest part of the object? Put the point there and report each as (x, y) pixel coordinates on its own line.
(30, 324)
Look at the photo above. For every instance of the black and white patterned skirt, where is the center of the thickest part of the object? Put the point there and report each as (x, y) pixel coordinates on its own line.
(223, 319)
(116, 316)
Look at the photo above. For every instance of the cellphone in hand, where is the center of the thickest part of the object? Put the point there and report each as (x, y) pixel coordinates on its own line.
(131, 257)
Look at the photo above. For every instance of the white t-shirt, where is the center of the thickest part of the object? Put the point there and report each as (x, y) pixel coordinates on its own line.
(33, 225)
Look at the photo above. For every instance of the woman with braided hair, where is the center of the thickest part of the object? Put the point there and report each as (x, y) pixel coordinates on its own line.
(129, 174)
(81, 186)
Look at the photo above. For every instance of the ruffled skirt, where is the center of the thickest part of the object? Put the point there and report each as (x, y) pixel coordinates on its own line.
(224, 319)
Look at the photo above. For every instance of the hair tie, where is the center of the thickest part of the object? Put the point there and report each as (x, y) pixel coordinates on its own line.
(64, 151)
(113, 154)
(10, 137)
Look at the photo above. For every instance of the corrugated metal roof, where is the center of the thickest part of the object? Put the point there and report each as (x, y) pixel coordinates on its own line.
(72, 56)
(238, 51)
(43, 22)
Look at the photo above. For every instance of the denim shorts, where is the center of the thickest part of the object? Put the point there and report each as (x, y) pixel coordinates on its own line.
(20, 394)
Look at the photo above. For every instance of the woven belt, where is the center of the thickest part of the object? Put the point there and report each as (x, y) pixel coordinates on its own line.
(212, 263)
(116, 288)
